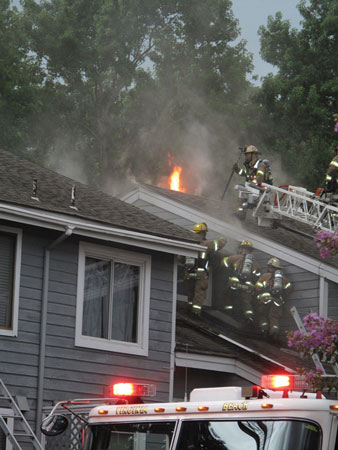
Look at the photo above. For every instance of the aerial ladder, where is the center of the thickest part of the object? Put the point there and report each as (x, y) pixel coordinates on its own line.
(13, 423)
(272, 203)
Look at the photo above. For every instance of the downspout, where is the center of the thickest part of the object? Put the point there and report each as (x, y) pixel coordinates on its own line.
(44, 305)
(173, 333)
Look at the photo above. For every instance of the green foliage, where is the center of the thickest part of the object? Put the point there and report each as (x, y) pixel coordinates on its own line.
(125, 80)
(20, 78)
(300, 100)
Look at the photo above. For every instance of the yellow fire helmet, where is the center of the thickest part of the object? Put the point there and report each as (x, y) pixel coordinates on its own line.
(251, 149)
(274, 262)
(247, 244)
(198, 227)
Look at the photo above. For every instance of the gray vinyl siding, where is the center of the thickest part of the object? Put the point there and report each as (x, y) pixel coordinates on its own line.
(332, 300)
(75, 372)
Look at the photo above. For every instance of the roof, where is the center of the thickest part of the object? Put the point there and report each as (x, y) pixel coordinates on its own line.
(54, 195)
(213, 334)
(294, 235)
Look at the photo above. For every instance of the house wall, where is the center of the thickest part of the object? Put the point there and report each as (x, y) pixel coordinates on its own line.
(74, 372)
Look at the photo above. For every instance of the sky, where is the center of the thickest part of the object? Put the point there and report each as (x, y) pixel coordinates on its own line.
(253, 13)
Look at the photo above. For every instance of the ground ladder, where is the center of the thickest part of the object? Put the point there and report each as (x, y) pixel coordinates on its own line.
(21, 429)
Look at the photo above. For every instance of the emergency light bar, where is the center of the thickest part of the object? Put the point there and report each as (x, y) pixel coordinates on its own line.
(279, 382)
(133, 390)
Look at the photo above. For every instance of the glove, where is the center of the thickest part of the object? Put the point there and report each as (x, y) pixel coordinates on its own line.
(235, 167)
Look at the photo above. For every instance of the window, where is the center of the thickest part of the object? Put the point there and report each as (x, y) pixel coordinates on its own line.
(283, 434)
(130, 436)
(10, 261)
(113, 300)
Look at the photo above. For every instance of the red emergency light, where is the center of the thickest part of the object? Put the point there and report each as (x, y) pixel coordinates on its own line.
(278, 382)
(133, 390)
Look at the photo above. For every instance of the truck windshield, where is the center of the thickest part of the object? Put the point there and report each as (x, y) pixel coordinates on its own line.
(249, 435)
(130, 436)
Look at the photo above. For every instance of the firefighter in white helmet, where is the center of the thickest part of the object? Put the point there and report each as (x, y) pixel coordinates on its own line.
(255, 171)
(197, 269)
(272, 288)
(240, 289)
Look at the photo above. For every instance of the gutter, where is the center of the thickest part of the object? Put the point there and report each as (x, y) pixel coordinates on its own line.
(244, 347)
(59, 221)
(43, 328)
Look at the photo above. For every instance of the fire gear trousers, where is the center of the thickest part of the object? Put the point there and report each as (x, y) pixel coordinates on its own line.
(197, 290)
(235, 300)
(269, 317)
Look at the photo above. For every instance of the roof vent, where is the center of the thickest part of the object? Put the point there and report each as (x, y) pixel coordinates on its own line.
(35, 190)
(72, 200)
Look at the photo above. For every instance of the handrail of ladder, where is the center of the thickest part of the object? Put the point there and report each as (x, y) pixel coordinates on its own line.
(291, 203)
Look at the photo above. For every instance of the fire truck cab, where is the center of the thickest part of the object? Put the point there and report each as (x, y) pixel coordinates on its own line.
(229, 418)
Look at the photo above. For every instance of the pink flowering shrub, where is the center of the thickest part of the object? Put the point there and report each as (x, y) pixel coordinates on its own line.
(321, 338)
(327, 243)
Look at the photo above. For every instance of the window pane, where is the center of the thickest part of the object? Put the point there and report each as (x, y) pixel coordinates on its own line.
(125, 302)
(130, 436)
(96, 298)
(250, 435)
(7, 249)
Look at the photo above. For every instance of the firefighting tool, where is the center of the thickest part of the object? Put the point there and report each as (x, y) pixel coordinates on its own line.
(13, 424)
(241, 149)
(280, 413)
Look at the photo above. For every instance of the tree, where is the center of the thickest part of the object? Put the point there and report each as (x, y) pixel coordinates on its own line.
(20, 82)
(130, 74)
(299, 101)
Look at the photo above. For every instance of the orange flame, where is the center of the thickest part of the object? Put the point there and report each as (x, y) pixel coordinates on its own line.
(175, 179)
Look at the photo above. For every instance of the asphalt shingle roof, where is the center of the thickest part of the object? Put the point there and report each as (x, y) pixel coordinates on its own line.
(200, 335)
(54, 193)
(295, 235)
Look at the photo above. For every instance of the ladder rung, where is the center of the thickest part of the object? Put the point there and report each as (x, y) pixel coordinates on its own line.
(23, 435)
(11, 416)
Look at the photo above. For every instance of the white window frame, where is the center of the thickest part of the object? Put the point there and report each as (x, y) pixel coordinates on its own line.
(16, 281)
(140, 347)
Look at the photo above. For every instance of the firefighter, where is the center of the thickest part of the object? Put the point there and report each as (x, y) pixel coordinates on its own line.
(255, 171)
(272, 288)
(240, 289)
(196, 270)
(331, 179)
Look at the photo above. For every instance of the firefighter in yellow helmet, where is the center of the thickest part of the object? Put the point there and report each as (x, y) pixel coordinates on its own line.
(240, 289)
(197, 269)
(255, 171)
(331, 179)
(272, 289)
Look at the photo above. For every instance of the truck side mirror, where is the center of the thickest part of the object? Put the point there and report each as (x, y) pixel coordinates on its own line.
(54, 425)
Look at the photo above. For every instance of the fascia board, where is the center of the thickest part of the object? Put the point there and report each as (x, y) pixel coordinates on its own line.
(263, 244)
(217, 364)
(56, 221)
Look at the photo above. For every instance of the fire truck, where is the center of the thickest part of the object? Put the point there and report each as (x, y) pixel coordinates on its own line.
(278, 415)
